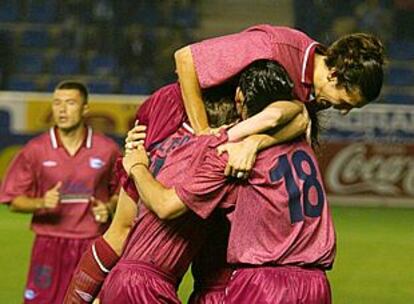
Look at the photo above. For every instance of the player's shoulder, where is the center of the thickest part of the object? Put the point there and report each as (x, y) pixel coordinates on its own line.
(36, 146)
(199, 149)
(39, 141)
(212, 141)
(167, 89)
(287, 35)
(274, 152)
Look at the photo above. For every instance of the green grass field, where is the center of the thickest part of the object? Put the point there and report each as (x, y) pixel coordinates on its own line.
(374, 262)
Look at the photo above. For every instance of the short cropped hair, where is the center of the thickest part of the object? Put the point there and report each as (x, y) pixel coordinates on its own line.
(74, 85)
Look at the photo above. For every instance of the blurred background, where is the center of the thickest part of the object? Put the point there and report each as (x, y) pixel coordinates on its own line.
(123, 50)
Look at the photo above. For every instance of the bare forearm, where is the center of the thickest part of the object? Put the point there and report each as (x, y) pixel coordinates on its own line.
(163, 201)
(122, 223)
(190, 89)
(277, 114)
(26, 204)
(291, 130)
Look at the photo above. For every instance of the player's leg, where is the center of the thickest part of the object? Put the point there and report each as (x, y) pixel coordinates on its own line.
(102, 255)
(53, 262)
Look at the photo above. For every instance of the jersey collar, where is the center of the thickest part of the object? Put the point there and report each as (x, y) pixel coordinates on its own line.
(309, 63)
(56, 143)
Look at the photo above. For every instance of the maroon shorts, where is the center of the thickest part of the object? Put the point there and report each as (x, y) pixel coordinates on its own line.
(137, 282)
(53, 261)
(278, 285)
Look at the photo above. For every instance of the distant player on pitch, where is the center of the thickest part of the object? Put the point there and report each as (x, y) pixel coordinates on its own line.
(64, 178)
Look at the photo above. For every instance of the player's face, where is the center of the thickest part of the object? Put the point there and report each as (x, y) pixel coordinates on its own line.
(68, 108)
(331, 95)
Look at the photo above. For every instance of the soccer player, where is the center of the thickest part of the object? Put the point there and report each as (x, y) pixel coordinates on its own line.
(145, 273)
(281, 232)
(64, 178)
(347, 74)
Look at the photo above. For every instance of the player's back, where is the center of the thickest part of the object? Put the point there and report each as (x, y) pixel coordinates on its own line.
(282, 214)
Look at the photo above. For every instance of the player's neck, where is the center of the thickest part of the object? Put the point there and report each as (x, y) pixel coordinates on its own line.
(320, 73)
(72, 139)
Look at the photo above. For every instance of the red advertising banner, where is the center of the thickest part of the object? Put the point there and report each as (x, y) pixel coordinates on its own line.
(367, 173)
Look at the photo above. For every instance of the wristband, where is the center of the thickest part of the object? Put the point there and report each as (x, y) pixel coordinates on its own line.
(136, 165)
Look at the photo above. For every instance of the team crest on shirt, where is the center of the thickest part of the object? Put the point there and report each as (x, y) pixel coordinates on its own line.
(49, 163)
(29, 294)
(96, 163)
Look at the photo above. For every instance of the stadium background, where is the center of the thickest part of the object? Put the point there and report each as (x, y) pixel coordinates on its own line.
(123, 51)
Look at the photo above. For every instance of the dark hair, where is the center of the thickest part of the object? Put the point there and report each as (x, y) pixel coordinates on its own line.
(221, 112)
(74, 85)
(263, 82)
(314, 117)
(220, 105)
(358, 60)
(219, 102)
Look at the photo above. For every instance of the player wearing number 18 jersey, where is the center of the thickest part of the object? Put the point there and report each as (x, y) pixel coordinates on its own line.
(282, 251)
(282, 238)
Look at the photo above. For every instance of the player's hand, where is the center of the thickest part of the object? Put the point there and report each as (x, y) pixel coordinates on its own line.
(242, 156)
(52, 196)
(135, 137)
(134, 158)
(100, 211)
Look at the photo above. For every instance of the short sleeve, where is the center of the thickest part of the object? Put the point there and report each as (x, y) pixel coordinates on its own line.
(19, 178)
(206, 186)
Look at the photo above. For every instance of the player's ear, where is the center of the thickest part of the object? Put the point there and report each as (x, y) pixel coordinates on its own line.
(332, 75)
(239, 96)
(85, 109)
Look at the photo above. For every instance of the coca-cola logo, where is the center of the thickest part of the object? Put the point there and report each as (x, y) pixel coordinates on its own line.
(358, 169)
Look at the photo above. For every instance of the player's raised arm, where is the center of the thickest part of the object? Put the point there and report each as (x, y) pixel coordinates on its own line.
(275, 115)
(190, 89)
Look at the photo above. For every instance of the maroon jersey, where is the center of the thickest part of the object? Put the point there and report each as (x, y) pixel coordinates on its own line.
(218, 59)
(285, 192)
(281, 215)
(163, 113)
(43, 162)
(159, 153)
(207, 188)
(168, 245)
